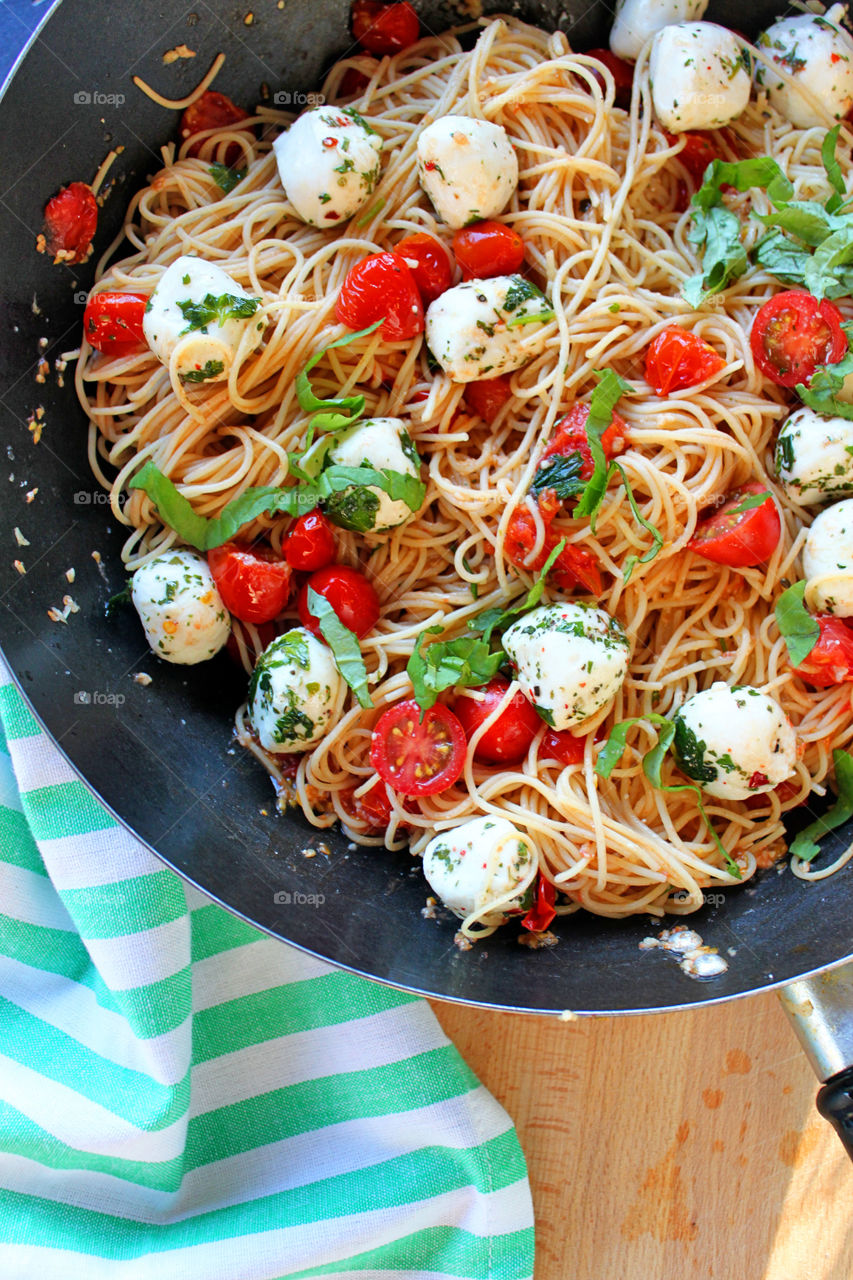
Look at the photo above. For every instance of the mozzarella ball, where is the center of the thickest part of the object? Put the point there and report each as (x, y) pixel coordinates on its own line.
(468, 168)
(180, 608)
(637, 20)
(570, 658)
(385, 445)
(479, 329)
(296, 693)
(814, 457)
(198, 310)
(476, 863)
(697, 76)
(828, 561)
(735, 742)
(328, 163)
(817, 53)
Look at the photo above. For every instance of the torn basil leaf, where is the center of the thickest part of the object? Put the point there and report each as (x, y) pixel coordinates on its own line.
(826, 381)
(344, 645)
(332, 414)
(496, 619)
(463, 663)
(604, 398)
(797, 627)
(226, 178)
(213, 310)
(804, 845)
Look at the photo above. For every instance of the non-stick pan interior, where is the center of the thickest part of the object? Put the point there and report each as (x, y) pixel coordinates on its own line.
(161, 756)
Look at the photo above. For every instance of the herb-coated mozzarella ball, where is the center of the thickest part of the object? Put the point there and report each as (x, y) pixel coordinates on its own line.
(828, 561)
(468, 168)
(817, 53)
(296, 693)
(637, 20)
(328, 162)
(571, 660)
(482, 328)
(385, 445)
(735, 742)
(180, 608)
(199, 310)
(697, 76)
(478, 862)
(814, 457)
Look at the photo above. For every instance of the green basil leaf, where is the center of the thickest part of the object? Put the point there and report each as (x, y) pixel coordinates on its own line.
(228, 306)
(614, 748)
(344, 645)
(205, 534)
(826, 380)
(657, 536)
(562, 473)
(833, 169)
(335, 413)
(762, 171)
(751, 501)
(804, 844)
(610, 389)
(119, 600)
(211, 369)
(226, 178)
(371, 212)
(464, 663)
(495, 619)
(540, 317)
(399, 485)
(716, 233)
(797, 627)
(781, 257)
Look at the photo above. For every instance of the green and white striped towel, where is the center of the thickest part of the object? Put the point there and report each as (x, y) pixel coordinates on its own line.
(182, 1096)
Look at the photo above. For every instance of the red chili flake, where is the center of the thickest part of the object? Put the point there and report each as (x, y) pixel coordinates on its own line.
(430, 165)
(835, 57)
(330, 142)
(334, 216)
(758, 779)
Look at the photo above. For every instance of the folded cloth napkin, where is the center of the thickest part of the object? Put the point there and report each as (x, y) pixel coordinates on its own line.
(182, 1096)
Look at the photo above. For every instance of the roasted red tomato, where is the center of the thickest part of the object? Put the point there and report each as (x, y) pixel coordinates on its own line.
(697, 153)
(112, 322)
(622, 72)
(559, 744)
(792, 334)
(542, 913)
(310, 542)
(418, 757)
(575, 566)
(384, 28)
(253, 582)
(429, 263)
(350, 594)
(70, 221)
(677, 359)
(379, 287)
(212, 111)
(488, 249)
(736, 534)
(507, 740)
(831, 660)
(373, 808)
(487, 398)
(570, 437)
(353, 83)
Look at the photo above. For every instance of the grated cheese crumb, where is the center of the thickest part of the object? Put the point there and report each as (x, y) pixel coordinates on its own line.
(70, 574)
(179, 51)
(96, 556)
(30, 495)
(461, 942)
(143, 678)
(20, 539)
(249, 19)
(19, 566)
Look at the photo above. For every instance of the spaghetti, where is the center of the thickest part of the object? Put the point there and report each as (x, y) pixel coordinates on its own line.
(596, 206)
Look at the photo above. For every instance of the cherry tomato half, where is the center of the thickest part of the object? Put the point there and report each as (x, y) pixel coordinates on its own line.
(381, 285)
(310, 542)
(570, 437)
(212, 111)
(677, 359)
(350, 594)
(559, 744)
(487, 398)
(418, 757)
(429, 263)
(573, 567)
(542, 913)
(831, 660)
(622, 72)
(253, 582)
(488, 249)
(507, 740)
(70, 221)
(739, 537)
(384, 28)
(112, 322)
(697, 153)
(792, 334)
(373, 808)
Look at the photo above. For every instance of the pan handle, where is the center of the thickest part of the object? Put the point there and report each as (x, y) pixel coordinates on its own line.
(821, 1010)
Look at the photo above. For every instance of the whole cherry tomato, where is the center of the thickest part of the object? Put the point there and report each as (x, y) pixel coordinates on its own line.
(310, 542)
(488, 397)
(488, 249)
(622, 72)
(212, 111)
(507, 740)
(350, 594)
(381, 287)
(384, 28)
(677, 359)
(429, 263)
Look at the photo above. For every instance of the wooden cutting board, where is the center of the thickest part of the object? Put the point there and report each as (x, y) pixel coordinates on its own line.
(679, 1146)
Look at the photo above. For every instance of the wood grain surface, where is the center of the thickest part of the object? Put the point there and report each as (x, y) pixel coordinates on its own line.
(679, 1146)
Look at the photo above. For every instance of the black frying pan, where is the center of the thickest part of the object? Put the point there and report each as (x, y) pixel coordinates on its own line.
(162, 759)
